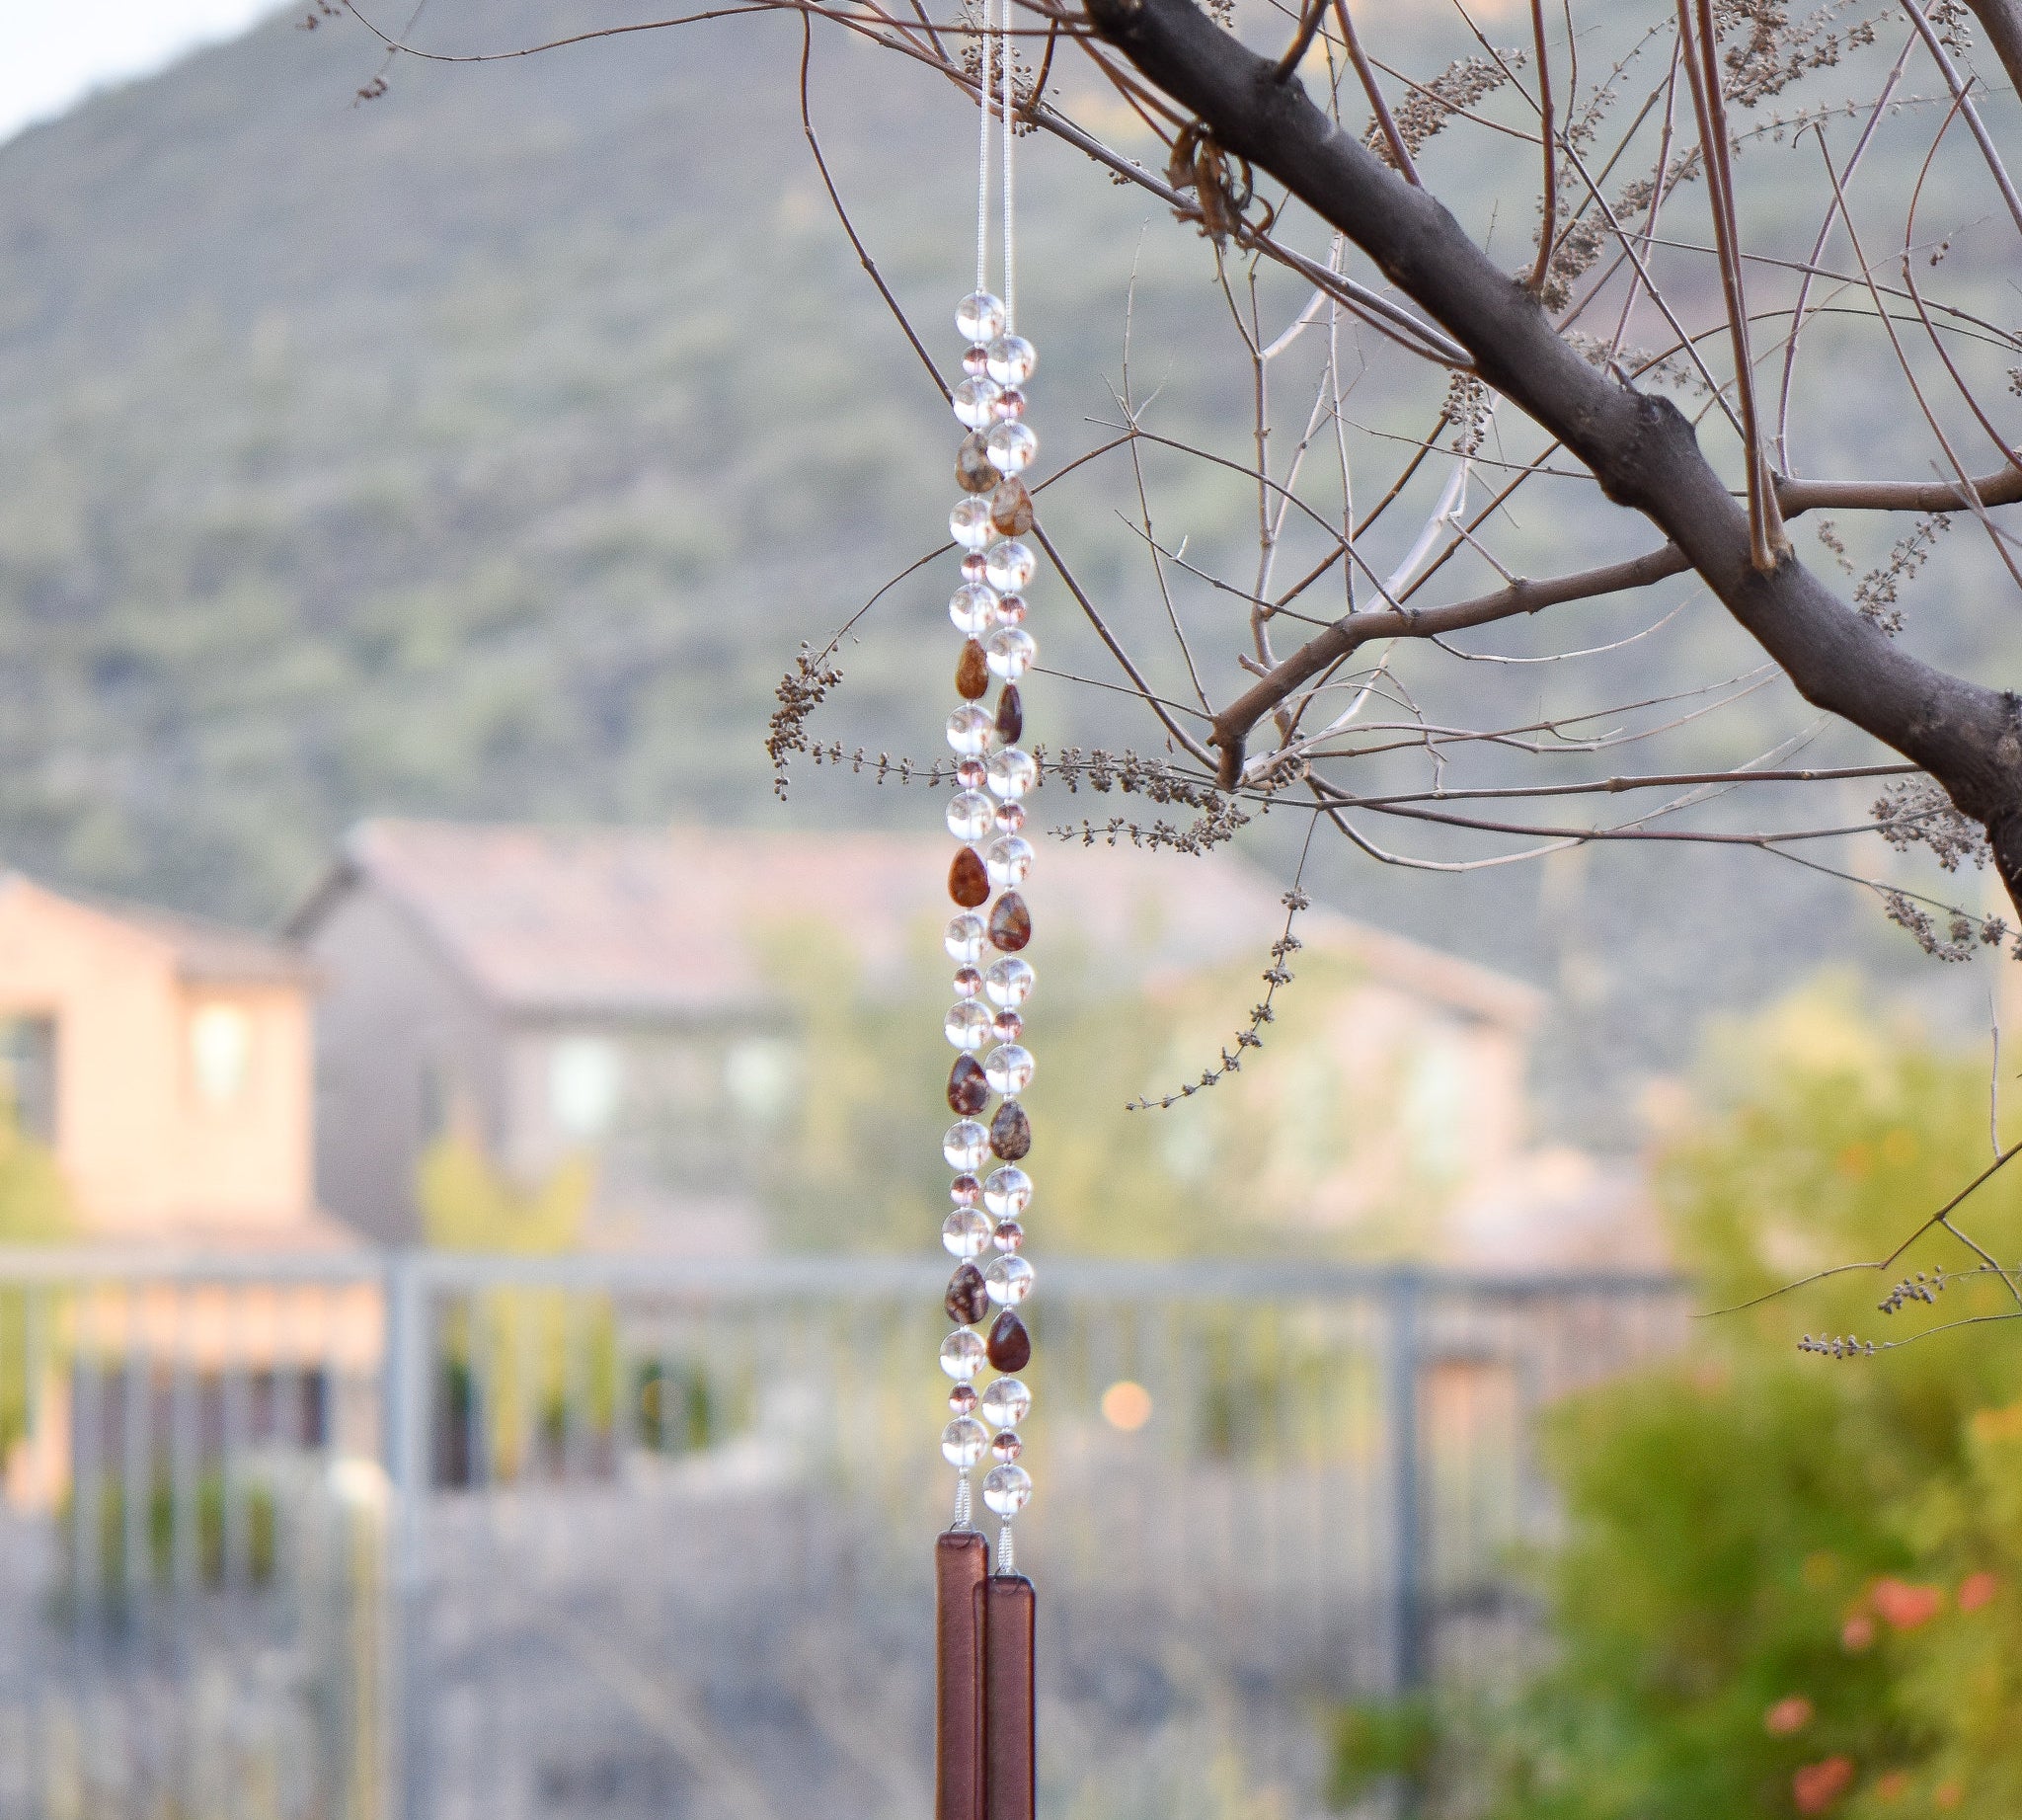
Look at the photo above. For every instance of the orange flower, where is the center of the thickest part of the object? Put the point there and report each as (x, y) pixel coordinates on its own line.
(1818, 1785)
(1977, 1590)
(1789, 1714)
(1893, 1786)
(1947, 1795)
(1858, 1632)
(1907, 1607)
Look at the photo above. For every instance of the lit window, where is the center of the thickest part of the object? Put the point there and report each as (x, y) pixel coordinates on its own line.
(585, 1084)
(221, 1053)
(761, 1075)
(1436, 1106)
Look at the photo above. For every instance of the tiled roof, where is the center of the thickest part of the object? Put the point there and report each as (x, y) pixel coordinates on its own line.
(216, 952)
(654, 921)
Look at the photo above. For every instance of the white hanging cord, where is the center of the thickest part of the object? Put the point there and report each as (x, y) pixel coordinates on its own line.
(982, 156)
(1010, 266)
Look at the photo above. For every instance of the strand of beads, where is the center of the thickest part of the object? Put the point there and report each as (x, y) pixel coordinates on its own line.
(986, 815)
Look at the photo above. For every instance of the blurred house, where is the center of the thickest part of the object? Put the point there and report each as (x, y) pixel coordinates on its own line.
(618, 992)
(166, 1063)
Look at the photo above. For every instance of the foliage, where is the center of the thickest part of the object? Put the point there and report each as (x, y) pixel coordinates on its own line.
(1377, 1743)
(468, 1204)
(1274, 1155)
(1791, 1584)
(36, 1205)
(517, 1342)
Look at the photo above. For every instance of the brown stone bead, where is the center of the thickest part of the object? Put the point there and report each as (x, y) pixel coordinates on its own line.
(969, 1088)
(968, 883)
(974, 471)
(966, 1300)
(1010, 1346)
(1010, 1132)
(972, 672)
(1011, 510)
(1010, 715)
(1010, 923)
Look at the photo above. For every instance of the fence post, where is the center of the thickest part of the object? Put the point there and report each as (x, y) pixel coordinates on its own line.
(1409, 1662)
(406, 1388)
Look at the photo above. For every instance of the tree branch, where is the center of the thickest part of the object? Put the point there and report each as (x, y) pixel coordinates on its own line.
(2002, 20)
(1232, 725)
(1640, 447)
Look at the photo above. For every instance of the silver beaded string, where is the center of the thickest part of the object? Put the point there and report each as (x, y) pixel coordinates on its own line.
(988, 609)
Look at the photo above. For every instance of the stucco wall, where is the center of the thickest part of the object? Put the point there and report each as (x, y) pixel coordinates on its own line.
(146, 1152)
(397, 1028)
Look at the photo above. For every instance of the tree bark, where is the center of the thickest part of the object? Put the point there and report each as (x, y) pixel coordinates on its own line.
(2002, 20)
(1639, 446)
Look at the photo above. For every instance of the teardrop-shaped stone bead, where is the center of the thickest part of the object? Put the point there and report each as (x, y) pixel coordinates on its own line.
(1011, 509)
(1010, 923)
(1010, 1346)
(972, 672)
(968, 1088)
(974, 471)
(1010, 715)
(1010, 1132)
(968, 883)
(966, 1299)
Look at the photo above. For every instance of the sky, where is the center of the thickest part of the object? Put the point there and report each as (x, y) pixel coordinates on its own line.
(54, 53)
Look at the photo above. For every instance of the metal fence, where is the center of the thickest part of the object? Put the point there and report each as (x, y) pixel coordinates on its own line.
(420, 1536)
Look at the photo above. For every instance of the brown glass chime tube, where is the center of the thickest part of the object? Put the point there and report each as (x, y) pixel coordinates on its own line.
(961, 1568)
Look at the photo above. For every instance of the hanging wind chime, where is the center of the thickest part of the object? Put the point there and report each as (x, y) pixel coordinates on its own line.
(984, 1626)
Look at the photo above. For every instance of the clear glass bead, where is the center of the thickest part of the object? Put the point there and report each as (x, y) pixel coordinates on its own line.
(1008, 1192)
(963, 1441)
(1006, 1402)
(1007, 1489)
(1008, 860)
(1011, 565)
(965, 1144)
(973, 606)
(970, 729)
(969, 523)
(1008, 1068)
(1011, 360)
(1011, 610)
(1011, 447)
(1010, 404)
(965, 1234)
(1008, 1278)
(1009, 1235)
(962, 1354)
(1008, 1026)
(1010, 817)
(968, 981)
(1010, 981)
(965, 937)
(968, 1025)
(1010, 650)
(970, 815)
(1005, 1446)
(976, 360)
(980, 317)
(976, 402)
(972, 773)
(975, 567)
(1011, 772)
(965, 1190)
